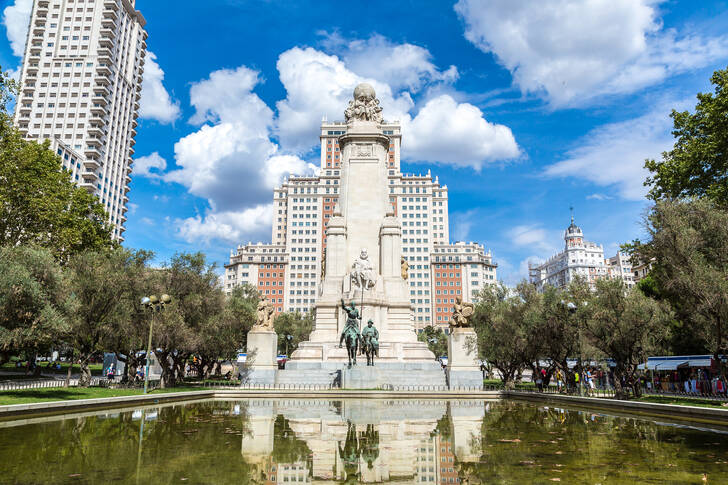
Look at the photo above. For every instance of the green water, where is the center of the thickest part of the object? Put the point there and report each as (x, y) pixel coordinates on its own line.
(350, 441)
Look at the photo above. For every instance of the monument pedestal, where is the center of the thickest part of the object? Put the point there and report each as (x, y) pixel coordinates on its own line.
(463, 367)
(263, 345)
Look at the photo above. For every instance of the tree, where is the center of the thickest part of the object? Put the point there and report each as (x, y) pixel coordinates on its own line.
(505, 323)
(563, 312)
(226, 333)
(689, 244)
(697, 166)
(435, 339)
(295, 325)
(100, 282)
(34, 302)
(39, 204)
(627, 327)
(196, 295)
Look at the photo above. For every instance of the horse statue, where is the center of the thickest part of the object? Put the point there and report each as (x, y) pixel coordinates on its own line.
(370, 342)
(351, 331)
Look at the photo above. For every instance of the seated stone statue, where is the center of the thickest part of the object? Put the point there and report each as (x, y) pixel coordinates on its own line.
(462, 313)
(362, 272)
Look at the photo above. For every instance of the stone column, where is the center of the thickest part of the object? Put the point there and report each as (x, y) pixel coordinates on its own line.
(390, 237)
(263, 350)
(463, 367)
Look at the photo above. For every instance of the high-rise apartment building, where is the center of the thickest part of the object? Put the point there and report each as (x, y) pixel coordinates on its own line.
(288, 271)
(580, 258)
(81, 83)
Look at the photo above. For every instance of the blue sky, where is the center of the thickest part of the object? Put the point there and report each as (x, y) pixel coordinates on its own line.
(522, 109)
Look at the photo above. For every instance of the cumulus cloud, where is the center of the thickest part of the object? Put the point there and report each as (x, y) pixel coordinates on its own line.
(16, 18)
(400, 66)
(444, 130)
(533, 236)
(232, 227)
(143, 165)
(457, 133)
(613, 155)
(156, 103)
(230, 161)
(573, 51)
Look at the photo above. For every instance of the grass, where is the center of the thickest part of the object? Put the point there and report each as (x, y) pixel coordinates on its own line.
(683, 401)
(96, 369)
(27, 396)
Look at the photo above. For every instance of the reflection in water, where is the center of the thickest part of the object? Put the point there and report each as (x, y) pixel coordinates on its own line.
(315, 441)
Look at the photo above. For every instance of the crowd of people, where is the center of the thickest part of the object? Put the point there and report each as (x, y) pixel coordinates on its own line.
(692, 381)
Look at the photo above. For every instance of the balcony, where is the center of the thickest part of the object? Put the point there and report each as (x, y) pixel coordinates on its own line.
(25, 108)
(35, 50)
(92, 151)
(131, 151)
(99, 100)
(133, 132)
(96, 130)
(40, 22)
(98, 119)
(107, 32)
(111, 14)
(102, 78)
(91, 164)
(125, 199)
(32, 69)
(111, 4)
(98, 109)
(123, 217)
(132, 141)
(106, 41)
(89, 185)
(103, 69)
(101, 90)
(127, 180)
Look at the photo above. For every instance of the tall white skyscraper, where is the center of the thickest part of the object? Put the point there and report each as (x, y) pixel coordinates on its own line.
(81, 83)
(288, 271)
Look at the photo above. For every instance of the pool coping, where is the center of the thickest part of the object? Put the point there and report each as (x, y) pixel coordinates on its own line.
(12, 411)
(689, 413)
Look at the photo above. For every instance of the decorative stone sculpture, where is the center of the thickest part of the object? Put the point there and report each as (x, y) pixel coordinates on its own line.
(462, 313)
(265, 315)
(323, 265)
(362, 272)
(405, 268)
(364, 106)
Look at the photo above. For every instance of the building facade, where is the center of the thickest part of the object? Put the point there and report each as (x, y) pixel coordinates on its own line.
(438, 273)
(81, 83)
(580, 258)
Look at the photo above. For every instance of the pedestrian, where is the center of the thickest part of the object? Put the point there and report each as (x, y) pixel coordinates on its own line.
(539, 381)
(559, 380)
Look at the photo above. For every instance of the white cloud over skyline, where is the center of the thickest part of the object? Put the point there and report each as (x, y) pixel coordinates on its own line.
(573, 51)
(16, 18)
(156, 103)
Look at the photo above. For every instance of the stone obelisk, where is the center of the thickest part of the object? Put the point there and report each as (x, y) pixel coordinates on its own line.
(363, 262)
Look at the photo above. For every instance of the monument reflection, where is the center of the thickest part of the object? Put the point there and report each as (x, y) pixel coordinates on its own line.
(415, 441)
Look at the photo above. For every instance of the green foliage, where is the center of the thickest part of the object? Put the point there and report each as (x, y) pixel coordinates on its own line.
(436, 340)
(39, 204)
(34, 301)
(505, 322)
(697, 165)
(627, 327)
(689, 250)
(298, 326)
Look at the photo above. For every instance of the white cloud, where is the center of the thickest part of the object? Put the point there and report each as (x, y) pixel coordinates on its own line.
(320, 85)
(232, 227)
(400, 66)
(574, 51)
(156, 103)
(613, 155)
(444, 131)
(457, 133)
(529, 235)
(598, 197)
(144, 165)
(232, 163)
(16, 18)
(132, 208)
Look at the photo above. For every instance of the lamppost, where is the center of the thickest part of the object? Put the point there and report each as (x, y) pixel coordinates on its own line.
(571, 308)
(289, 337)
(156, 305)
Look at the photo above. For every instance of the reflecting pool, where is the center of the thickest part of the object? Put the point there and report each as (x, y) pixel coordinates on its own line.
(358, 441)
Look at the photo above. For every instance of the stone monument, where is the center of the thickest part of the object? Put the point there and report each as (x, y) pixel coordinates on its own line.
(262, 347)
(463, 367)
(364, 265)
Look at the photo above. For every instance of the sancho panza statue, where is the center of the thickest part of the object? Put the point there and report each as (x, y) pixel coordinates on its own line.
(364, 106)
(362, 272)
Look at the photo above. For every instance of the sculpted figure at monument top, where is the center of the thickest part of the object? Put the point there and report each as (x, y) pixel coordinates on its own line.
(364, 106)
(265, 315)
(362, 272)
